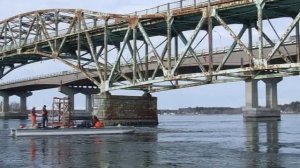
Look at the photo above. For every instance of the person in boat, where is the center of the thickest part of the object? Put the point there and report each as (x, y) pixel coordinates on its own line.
(44, 116)
(33, 117)
(96, 123)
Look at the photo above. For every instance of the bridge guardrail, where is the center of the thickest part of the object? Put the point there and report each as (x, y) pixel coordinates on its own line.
(158, 9)
(38, 77)
(168, 7)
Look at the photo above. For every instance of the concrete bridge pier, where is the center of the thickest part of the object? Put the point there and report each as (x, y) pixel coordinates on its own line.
(70, 92)
(88, 92)
(23, 101)
(126, 110)
(5, 113)
(253, 112)
(5, 102)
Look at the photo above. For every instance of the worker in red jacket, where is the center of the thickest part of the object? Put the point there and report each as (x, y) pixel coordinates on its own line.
(96, 122)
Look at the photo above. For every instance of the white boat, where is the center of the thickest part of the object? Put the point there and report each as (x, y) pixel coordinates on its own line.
(72, 131)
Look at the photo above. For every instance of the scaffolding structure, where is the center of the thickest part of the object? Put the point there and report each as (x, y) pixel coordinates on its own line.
(61, 112)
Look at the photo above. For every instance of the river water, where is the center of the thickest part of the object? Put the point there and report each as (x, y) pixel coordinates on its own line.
(178, 141)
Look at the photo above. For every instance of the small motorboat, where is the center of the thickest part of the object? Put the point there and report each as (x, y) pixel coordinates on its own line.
(72, 131)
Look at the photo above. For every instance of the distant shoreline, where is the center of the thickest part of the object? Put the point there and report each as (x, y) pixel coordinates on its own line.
(292, 108)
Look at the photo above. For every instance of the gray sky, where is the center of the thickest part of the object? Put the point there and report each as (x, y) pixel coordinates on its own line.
(227, 94)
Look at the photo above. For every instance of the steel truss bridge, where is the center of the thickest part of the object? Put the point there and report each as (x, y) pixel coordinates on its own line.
(166, 47)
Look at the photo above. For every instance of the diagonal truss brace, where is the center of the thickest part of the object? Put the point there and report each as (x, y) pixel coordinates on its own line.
(45, 32)
(29, 31)
(68, 32)
(134, 61)
(117, 62)
(184, 40)
(12, 35)
(79, 69)
(273, 44)
(91, 45)
(148, 41)
(190, 42)
(231, 48)
(232, 34)
(163, 53)
(284, 36)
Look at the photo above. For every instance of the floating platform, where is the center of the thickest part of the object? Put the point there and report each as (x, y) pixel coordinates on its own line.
(72, 131)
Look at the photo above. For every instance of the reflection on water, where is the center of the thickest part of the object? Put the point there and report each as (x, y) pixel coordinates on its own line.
(90, 151)
(32, 149)
(256, 131)
(262, 137)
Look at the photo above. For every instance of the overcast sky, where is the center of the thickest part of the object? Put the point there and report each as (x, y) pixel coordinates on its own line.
(226, 94)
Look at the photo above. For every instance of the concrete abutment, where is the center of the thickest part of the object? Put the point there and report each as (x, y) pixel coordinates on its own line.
(126, 110)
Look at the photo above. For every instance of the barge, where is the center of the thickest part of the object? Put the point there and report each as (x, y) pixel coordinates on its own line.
(72, 131)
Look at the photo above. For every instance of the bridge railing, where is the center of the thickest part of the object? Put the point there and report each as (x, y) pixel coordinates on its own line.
(172, 6)
(38, 77)
(158, 9)
(217, 50)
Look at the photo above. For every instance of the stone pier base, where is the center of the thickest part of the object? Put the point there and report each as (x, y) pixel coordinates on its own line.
(126, 110)
(261, 114)
(13, 115)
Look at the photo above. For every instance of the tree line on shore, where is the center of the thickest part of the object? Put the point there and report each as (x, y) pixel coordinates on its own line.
(292, 108)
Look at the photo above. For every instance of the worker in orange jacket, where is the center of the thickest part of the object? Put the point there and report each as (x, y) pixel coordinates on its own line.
(96, 122)
(33, 117)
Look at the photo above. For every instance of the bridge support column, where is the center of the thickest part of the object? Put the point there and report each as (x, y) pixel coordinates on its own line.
(271, 92)
(126, 110)
(70, 93)
(88, 92)
(251, 94)
(5, 102)
(252, 112)
(23, 101)
(88, 103)
(5, 113)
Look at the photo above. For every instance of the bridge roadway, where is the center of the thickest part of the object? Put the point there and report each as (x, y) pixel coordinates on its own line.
(141, 50)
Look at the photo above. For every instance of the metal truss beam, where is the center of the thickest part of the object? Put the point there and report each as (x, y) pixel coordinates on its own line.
(148, 41)
(225, 58)
(188, 45)
(117, 62)
(232, 34)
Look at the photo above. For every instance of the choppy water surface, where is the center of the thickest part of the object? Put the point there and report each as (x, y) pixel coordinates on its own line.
(178, 141)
